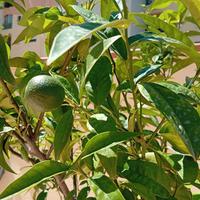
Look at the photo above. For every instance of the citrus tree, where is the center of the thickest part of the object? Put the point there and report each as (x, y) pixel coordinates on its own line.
(103, 112)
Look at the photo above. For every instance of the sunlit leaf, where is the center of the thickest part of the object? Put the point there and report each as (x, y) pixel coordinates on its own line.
(73, 34)
(178, 111)
(38, 173)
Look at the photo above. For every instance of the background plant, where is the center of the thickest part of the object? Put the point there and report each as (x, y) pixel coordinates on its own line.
(124, 130)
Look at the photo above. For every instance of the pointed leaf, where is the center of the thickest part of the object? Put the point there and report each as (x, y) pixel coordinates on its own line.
(151, 175)
(97, 51)
(88, 15)
(180, 89)
(3, 162)
(168, 29)
(105, 189)
(178, 111)
(99, 81)
(105, 140)
(62, 133)
(38, 173)
(194, 8)
(5, 72)
(73, 34)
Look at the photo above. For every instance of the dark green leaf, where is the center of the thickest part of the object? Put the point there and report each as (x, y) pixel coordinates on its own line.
(3, 162)
(151, 175)
(105, 140)
(104, 188)
(179, 89)
(42, 195)
(186, 167)
(63, 132)
(83, 193)
(38, 173)
(5, 72)
(178, 111)
(96, 52)
(100, 123)
(99, 80)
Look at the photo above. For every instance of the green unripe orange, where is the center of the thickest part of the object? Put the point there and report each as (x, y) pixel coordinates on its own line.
(43, 93)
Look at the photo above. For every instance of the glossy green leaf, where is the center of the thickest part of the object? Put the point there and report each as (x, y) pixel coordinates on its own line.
(3, 162)
(105, 140)
(38, 173)
(168, 29)
(73, 34)
(178, 111)
(150, 175)
(194, 8)
(146, 71)
(118, 46)
(70, 87)
(97, 51)
(99, 80)
(101, 123)
(104, 188)
(179, 89)
(5, 72)
(63, 133)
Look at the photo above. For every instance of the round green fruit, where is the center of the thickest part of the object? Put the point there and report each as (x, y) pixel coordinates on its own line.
(43, 93)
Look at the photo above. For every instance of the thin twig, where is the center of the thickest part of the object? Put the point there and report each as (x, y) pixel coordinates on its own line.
(17, 109)
(49, 151)
(20, 156)
(67, 60)
(38, 126)
(156, 131)
(118, 81)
